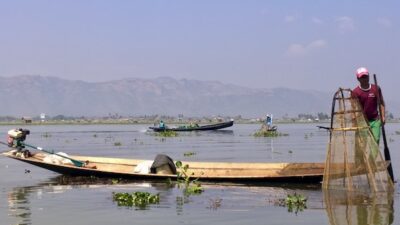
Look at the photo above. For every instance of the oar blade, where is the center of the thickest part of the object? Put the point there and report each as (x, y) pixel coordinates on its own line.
(387, 158)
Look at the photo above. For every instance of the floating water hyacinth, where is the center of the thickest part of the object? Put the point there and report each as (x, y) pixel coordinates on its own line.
(138, 199)
(167, 133)
(269, 133)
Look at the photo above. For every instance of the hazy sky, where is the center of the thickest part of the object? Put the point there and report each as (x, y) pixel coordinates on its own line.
(264, 44)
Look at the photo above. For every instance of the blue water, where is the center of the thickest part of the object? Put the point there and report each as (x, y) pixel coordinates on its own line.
(31, 195)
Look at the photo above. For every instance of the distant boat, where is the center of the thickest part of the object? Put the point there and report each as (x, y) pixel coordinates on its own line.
(273, 128)
(215, 126)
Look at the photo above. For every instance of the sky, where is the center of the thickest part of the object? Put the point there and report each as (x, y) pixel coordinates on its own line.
(307, 45)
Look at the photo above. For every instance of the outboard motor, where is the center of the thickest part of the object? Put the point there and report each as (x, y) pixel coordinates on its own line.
(16, 137)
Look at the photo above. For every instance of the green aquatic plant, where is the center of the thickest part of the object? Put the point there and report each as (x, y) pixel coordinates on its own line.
(269, 133)
(194, 189)
(167, 133)
(138, 199)
(117, 143)
(191, 186)
(187, 154)
(294, 203)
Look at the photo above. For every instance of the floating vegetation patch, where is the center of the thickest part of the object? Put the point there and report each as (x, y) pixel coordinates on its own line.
(194, 189)
(269, 133)
(167, 133)
(185, 179)
(138, 199)
(188, 154)
(294, 203)
(117, 143)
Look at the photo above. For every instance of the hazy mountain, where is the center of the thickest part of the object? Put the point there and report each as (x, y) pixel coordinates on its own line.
(32, 95)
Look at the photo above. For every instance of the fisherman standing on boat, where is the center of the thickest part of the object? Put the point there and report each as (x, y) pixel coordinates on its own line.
(268, 121)
(367, 95)
(161, 125)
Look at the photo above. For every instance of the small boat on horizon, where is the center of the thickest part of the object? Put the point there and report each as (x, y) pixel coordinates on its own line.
(194, 127)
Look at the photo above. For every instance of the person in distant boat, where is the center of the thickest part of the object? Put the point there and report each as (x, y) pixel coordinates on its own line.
(268, 121)
(161, 124)
(367, 95)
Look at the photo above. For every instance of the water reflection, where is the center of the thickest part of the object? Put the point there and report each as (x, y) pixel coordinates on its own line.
(356, 208)
(222, 132)
(18, 202)
(78, 194)
(19, 199)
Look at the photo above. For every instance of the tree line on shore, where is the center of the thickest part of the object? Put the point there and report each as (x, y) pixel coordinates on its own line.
(116, 118)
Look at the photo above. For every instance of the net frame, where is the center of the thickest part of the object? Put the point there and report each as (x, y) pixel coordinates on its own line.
(353, 162)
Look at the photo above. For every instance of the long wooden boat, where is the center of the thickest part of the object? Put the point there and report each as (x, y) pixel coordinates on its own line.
(206, 171)
(215, 126)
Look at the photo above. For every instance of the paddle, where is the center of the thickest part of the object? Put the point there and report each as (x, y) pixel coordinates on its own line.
(74, 161)
(386, 148)
(323, 127)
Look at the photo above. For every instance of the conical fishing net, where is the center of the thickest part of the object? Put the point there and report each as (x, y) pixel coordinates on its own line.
(353, 162)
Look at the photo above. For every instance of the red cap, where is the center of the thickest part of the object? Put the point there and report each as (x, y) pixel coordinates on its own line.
(362, 71)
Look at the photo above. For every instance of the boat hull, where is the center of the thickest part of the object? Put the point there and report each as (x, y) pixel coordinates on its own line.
(205, 171)
(200, 128)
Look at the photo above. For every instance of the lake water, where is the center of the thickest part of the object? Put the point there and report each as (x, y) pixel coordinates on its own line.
(31, 195)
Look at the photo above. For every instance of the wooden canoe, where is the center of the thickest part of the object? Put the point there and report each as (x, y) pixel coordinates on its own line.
(215, 126)
(206, 171)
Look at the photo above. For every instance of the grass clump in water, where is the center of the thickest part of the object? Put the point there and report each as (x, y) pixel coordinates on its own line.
(188, 154)
(268, 133)
(295, 203)
(138, 199)
(167, 133)
(191, 186)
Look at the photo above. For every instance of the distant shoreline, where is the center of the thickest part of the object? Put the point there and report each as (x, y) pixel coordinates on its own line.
(105, 122)
(49, 123)
(153, 121)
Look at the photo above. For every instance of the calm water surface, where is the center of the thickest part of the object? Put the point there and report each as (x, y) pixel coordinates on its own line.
(37, 196)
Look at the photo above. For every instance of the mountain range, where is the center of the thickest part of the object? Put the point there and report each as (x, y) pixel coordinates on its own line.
(30, 95)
